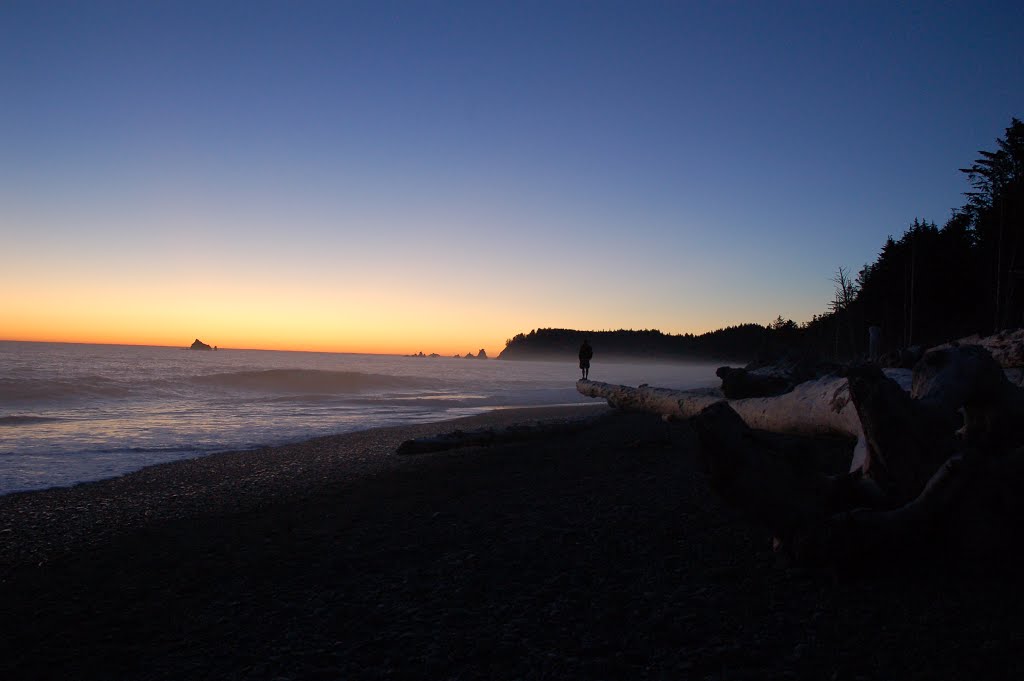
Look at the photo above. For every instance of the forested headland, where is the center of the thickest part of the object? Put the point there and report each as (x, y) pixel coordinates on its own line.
(732, 343)
(931, 285)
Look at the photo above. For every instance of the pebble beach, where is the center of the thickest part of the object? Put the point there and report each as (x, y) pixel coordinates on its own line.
(593, 554)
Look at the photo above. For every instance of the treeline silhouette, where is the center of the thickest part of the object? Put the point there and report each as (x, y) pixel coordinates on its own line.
(732, 343)
(931, 285)
(935, 284)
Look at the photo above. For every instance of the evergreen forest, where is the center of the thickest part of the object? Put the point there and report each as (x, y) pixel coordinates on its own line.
(930, 285)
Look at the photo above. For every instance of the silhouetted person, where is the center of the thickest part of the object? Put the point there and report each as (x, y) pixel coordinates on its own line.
(586, 352)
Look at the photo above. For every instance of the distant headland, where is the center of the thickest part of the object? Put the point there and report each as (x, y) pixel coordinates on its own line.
(741, 342)
(931, 284)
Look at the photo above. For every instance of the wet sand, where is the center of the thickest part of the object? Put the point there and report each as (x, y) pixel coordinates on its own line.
(596, 554)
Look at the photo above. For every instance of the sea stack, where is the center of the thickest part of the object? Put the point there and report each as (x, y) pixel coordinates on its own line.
(199, 345)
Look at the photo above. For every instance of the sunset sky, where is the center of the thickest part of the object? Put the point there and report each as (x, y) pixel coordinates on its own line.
(437, 176)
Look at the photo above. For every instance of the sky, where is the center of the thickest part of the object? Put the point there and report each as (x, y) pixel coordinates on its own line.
(439, 176)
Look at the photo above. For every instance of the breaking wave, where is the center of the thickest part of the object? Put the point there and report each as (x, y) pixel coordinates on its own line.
(291, 382)
(311, 381)
(18, 389)
(70, 413)
(24, 420)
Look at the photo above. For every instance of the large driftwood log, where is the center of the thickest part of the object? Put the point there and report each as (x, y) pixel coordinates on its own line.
(775, 378)
(940, 456)
(922, 483)
(910, 437)
(818, 407)
(772, 483)
(1006, 347)
(968, 377)
(487, 437)
(738, 383)
(907, 439)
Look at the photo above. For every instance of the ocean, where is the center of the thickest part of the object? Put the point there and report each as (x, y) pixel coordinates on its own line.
(71, 413)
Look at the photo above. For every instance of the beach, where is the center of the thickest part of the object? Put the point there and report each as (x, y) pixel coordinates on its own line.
(71, 413)
(596, 553)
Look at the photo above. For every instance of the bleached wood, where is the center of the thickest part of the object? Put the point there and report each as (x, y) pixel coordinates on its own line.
(1006, 347)
(899, 495)
(818, 407)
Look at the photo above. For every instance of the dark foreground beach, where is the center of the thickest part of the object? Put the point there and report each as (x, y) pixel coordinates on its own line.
(598, 554)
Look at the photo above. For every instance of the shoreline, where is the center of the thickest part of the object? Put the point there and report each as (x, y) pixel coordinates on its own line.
(271, 443)
(601, 553)
(233, 481)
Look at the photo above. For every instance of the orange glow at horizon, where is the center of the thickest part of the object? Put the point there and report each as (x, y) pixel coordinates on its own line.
(387, 301)
(273, 329)
(292, 321)
(295, 327)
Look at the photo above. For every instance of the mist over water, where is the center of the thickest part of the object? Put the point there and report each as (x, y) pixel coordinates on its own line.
(70, 413)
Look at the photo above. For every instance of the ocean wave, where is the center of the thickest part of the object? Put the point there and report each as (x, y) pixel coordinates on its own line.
(25, 420)
(310, 381)
(31, 390)
(170, 449)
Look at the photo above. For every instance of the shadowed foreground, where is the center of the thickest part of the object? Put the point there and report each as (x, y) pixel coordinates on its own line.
(600, 554)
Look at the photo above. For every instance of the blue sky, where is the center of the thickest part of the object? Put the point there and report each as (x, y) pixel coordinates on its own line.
(477, 168)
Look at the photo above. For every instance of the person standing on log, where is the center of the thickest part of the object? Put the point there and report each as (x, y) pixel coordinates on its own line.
(586, 353)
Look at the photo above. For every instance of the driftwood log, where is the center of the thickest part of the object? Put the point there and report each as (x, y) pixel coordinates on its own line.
(939, 461)
(947, 461)
(487, 437)
(1006, 347)
(740, 383)
(818, 407)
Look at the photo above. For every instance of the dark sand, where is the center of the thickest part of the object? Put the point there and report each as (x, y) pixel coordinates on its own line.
(600, 554)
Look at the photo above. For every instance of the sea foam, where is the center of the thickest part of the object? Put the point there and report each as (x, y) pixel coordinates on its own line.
(79, 412)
